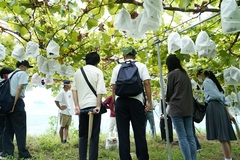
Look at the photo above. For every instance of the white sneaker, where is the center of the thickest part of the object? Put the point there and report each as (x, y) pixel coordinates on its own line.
(3, 157)
(198, 150)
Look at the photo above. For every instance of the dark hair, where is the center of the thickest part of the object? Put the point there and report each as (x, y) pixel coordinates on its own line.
(173, 62)
(5, 71)
(210, 75)
(133, 53)
(92, 58)
(24, 63)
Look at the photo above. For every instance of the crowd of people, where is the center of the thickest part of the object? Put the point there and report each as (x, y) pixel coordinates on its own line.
(79, 98)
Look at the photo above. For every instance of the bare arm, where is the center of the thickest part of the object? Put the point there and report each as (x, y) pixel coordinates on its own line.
(148, 91)
(60, 107)
(18, 92)
(75, 99)
(230, 115)
(113, 95)
(113, 92)
(99, 101)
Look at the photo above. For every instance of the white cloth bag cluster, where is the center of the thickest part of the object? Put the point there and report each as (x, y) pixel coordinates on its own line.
(205, 46)
(186, 44)
(148, 19)
(232, 75)
(32, 51)
(230, 16)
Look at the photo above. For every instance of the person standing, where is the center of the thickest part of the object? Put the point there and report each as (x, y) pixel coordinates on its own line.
(179, 97)
(16, 122)
(218, 118)
(162, 125)
(150, 119)
(110, 105)
(84, 99)
(4, 75)
(132, 109)
(64, 102)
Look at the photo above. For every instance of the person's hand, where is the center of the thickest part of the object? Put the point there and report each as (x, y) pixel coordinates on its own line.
(63, 107)
(162, 116)
(148, 107)
(232, 119)
(11, 111)
(77, 110)
(96, 110)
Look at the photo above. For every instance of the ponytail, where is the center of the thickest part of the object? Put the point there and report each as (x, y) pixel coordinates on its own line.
(210, 75)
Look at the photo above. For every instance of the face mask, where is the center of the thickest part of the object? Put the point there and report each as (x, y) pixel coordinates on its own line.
(26, 70)
(200, 80)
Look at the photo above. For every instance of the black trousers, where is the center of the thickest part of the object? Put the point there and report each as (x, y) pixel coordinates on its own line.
(16, 124)
(131, 110)
(170, 129)
(83, 136)
(2, 121)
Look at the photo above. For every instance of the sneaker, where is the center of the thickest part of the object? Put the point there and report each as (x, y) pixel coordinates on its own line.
(175, 143)
(1, 157)
(64, 141)
(198, 150)
(6, 157)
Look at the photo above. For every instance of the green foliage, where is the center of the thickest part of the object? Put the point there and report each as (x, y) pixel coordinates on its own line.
(48, 146)
(77, 30)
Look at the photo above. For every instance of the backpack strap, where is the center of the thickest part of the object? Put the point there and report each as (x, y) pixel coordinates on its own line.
(13, 74)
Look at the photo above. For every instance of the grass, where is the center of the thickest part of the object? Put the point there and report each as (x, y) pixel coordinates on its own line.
(48, 147)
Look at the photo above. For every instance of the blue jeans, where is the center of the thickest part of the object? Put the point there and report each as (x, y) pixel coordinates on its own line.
(150, 119)
(184, 129)
(196, 139)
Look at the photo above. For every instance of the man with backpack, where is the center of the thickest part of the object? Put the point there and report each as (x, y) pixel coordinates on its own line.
(16, 119)
(129, 81)
(4, 74)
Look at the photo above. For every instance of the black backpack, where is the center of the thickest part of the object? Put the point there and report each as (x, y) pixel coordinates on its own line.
(128, 81)
(6, 99)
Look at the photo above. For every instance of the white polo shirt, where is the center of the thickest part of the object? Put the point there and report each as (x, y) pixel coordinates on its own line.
(143, 73)
(86, 97)
(21, 77)
(65, 99)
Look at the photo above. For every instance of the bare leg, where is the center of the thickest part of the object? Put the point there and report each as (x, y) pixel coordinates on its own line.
(226, 148)
(66, 133)
(61, 133)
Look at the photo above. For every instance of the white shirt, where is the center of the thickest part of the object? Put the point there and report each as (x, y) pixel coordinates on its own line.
(21, 77)
(86, 97)
(65, 99)
(143, 73)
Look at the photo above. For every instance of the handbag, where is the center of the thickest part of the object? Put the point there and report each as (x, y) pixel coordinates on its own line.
(199, 111)
(103, 105)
